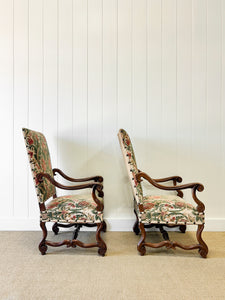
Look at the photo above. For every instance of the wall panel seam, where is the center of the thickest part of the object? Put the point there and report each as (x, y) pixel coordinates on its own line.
(13, 112)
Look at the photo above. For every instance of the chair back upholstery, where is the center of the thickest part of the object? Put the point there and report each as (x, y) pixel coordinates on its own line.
(40, 162)
(130, 161)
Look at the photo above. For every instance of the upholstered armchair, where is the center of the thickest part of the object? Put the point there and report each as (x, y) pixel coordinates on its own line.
(164, 210)
(65, 211)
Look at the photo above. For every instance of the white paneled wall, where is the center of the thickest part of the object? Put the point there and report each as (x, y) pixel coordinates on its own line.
(78, 70)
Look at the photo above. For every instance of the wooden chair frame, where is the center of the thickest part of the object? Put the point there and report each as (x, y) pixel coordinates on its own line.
(97, 187)
(135, 175)
(201, 246)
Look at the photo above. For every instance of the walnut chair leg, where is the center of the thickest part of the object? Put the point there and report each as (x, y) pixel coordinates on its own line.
(42, 246)
(141, 245)
(104, 227)
(136, 229)
(203, 249)
(101, 244)
(182, 228)
(164, 233)
(76, 231)
(55, 228)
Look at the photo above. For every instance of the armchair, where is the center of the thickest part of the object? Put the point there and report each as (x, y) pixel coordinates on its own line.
(163, 210)
(65, 211)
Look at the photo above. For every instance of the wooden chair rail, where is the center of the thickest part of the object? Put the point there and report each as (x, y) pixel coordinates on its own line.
(94, 185)
(43, 246)
(173, 245)
(202, 247)
(71, 243)
(95, 178)
(194, 186)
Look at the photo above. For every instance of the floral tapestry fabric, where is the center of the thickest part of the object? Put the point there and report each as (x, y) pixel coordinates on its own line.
(169, 209)
(131, 164)
(40, 161)
(72, 209)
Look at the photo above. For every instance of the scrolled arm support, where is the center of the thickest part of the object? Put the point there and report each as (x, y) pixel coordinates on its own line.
(98, 188)
(194, 186)
(200, 205)
(95, 178)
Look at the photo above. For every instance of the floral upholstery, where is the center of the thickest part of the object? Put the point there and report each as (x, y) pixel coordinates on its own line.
(169, 209)
(40, 161)
(131, 164)
(72, 209)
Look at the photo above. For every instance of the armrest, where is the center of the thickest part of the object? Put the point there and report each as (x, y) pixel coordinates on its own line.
(194, 186)
(174, 178)
(95, 187)
(95, 178)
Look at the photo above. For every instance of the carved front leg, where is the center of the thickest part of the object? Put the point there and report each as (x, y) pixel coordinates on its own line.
(42, 246)
(203, 249)
(141, 245)
(101, 244)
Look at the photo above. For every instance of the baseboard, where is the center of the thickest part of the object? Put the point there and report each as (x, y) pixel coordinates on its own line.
(113, 224)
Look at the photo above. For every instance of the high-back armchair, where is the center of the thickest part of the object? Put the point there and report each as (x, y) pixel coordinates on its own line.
(163, 210)
(65, 211)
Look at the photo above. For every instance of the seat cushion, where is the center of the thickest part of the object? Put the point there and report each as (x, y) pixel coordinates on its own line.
(72, 209)
(169, 209)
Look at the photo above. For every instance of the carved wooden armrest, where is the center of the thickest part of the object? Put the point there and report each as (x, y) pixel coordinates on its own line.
(194, 186)
(95, 187)
(175, 179)
(95, 178)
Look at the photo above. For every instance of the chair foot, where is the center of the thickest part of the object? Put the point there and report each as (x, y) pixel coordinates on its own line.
(43, 248)
(55, 228)
(203, 253)
(182, 228)
(101, 244)
(102, 251)
(203, 248)
(142, 250)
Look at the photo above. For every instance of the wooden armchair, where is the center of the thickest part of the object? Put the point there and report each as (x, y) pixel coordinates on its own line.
(164, 210)
(66, 211)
